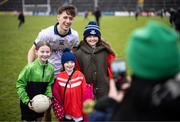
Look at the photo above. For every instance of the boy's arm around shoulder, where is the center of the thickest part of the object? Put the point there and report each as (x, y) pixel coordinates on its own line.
(31, 54)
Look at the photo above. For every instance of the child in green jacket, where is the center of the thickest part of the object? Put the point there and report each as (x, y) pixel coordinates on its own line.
(35, 78)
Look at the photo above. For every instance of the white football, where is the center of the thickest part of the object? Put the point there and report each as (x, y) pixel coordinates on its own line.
(40, 103)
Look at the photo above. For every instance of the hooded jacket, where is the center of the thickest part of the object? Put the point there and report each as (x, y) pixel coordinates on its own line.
(95, 65)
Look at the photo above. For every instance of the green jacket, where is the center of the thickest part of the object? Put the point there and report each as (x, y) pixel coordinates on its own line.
(35, 78)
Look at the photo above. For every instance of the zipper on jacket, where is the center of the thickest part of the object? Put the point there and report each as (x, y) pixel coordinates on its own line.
(43, 72)
(94, 48)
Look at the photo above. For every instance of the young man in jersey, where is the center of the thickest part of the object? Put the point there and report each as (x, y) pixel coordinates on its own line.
(59, 36)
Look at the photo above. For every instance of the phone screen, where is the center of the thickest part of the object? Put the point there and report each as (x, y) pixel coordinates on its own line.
(118, 68)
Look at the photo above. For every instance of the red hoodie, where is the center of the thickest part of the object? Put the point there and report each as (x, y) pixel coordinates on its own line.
(75, 92)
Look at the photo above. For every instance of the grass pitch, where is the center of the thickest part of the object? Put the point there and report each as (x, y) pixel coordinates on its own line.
(15, 43)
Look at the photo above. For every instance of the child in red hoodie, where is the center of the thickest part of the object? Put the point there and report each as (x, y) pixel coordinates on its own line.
(74, 95)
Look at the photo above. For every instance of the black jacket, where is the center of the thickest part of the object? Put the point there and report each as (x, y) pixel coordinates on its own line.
(139, 104)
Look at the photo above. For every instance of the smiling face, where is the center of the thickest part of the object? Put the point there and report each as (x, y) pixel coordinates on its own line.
(43, 53)
(92, 40)
(65, 21)
(69, 66)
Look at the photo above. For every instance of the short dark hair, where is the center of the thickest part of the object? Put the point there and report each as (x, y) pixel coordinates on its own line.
(70, 10)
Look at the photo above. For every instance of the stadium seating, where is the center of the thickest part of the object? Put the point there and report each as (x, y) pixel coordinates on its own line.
(104, 5)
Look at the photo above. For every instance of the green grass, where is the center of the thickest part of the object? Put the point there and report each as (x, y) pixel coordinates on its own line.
(15, 43)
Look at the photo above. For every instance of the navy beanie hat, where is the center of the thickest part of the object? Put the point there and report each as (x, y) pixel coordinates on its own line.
(67, 56)
(92, 29)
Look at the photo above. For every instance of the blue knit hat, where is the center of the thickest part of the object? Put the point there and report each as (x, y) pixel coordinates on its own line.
(67, 56)
(92, 29)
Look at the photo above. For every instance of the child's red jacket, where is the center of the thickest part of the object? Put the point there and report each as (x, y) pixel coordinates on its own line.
(75, 92)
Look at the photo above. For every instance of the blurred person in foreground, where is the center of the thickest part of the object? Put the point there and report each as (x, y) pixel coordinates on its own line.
(59, 36)
(154, 59)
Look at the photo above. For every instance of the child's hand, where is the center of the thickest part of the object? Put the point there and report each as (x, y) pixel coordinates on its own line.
(30, 104)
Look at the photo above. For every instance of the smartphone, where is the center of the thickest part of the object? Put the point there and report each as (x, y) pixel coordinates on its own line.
(118, 68)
